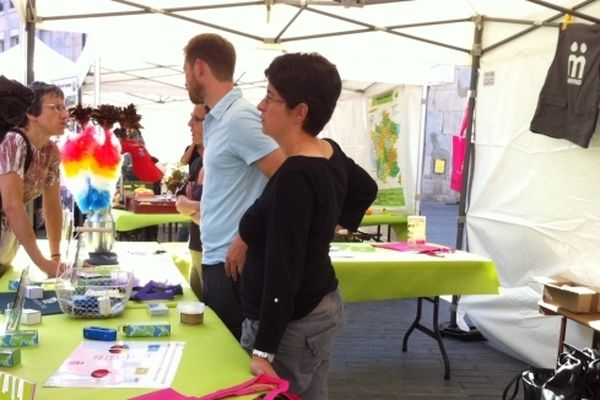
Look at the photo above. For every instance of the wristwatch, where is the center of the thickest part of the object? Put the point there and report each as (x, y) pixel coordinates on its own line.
(261, 354)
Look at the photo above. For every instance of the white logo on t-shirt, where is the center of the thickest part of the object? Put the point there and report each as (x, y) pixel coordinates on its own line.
(576, 64)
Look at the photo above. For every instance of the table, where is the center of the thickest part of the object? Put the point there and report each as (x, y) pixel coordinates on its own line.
(397, 222)
(126, 221)
(367, 273)
(212, 358)
(591, 320)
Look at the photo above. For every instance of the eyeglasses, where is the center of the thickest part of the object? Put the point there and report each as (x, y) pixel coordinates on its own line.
(268, 100)
(196, 118)
(56, 107)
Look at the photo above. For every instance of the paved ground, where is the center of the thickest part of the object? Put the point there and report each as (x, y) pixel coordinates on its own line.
(367, 358)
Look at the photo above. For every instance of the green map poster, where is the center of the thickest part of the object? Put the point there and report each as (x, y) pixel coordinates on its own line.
(384, 132)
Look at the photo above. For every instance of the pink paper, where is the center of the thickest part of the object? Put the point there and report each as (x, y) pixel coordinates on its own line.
(419, 248)
(163, 394)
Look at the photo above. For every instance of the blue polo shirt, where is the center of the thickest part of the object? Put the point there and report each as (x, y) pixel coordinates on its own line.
(233, 142)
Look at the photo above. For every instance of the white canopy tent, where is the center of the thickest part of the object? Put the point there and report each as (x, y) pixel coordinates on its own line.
(532, 203)
(50, 64)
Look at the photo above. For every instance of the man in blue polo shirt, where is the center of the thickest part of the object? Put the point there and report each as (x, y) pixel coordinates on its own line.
(238, 161)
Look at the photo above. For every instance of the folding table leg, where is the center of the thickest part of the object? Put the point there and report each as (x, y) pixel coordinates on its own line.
(435, 333)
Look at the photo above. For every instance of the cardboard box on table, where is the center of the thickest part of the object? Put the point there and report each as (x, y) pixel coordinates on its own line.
(153, 205)
(569, 295)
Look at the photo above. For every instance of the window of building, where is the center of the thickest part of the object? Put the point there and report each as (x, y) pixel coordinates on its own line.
(14, 37)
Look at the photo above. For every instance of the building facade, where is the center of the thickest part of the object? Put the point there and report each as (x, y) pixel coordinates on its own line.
(68, 44)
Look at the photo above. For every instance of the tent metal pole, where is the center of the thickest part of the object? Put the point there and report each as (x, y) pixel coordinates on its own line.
(452, 329)
(30, 29)
(469, 151)
(373, 28)
(564, 10)
(546, 22)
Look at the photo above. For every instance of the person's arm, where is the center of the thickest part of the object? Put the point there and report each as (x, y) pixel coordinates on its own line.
(360, 194)
(270, 163)
(11, 190)
(187, 206)
(187, 154)
(54, 219)
(288, 227)
(236, 254)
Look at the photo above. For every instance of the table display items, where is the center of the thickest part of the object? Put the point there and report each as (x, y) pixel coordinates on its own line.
(91, 164)
(87, 291)
(416, 231)
(12, 337)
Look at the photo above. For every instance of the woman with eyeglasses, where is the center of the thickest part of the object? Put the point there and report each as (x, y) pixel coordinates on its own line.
(29, 168)
(290, 298)
(188, 197)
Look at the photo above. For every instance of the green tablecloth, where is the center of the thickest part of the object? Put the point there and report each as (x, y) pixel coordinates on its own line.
(395, 221)
(368, 273)
(212, 358)
(128, 221)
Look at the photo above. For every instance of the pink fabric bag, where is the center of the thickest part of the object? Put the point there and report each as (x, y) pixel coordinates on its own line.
(275, 388)
(272, 387)
(459, 146)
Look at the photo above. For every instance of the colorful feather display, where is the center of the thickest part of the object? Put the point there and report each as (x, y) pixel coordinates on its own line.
(91, 164)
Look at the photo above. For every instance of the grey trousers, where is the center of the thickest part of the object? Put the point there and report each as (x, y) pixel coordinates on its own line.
(305, 350)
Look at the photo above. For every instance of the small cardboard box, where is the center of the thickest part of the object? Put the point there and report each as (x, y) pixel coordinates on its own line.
(22, 338)
(569, 295)
(147, 329)
(10, 357)
(153, 205)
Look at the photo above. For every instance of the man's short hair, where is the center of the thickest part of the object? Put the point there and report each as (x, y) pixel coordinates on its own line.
(214, 50)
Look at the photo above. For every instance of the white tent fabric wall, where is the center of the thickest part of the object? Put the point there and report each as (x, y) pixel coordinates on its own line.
(534, 207)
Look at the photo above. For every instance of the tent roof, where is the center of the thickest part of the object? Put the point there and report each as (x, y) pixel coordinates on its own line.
(50, 64)
(371, 41)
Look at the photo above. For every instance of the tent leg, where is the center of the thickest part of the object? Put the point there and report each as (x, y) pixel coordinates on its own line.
(452, 329)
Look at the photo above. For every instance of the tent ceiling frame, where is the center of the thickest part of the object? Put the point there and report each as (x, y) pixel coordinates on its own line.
(277, 38)
(546, 22)
(306, 5)
(563, 10)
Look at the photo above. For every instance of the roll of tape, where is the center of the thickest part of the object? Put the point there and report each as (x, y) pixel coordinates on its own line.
(98, 333)
(191, 319)
(191, 313)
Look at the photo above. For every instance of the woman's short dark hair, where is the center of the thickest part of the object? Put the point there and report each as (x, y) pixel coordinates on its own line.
(214, 50)
(307, 78)
(40, 89)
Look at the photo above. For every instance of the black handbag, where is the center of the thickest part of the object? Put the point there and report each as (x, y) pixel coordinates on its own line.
(576, 377)
(532, 379)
